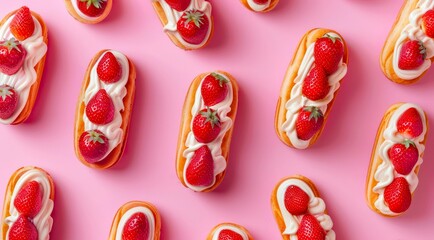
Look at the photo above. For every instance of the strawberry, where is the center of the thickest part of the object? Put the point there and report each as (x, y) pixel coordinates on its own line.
(109, 70)
(296, 200)
(8, 101)
(93, 145)
(22, 25)
(310, 229)
(193, 26)
(261, 2)
(92, 8)
(328, 52)
(309, 121)
(136, 227)
(403, 156)
(12, 56)
(410, 123)
(200, 171)
(397, 195)
(206, 126)
(316, 84)
(227, 234)
(29, 199)
(100, 108)
(428, 23)
(178, 5)
(23, 229)
(214, 89)
(412, 55)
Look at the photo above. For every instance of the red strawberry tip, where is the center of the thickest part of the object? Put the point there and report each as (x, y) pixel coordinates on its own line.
(222, 80)
(211, 116)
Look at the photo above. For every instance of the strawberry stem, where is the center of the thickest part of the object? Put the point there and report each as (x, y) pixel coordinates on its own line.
(219, 78)
(211, 116)
(315, 112)
(195, 16)
(407, 143)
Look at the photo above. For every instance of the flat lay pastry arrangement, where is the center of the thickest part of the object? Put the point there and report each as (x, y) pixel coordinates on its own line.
(190, 119)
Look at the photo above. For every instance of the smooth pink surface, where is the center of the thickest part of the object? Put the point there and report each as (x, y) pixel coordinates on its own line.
(256, 49)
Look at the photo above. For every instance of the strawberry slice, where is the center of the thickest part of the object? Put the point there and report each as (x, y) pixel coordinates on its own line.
(316, 84)
(93, 145)
(200, 171)
(109, 70)
(214, 89)
(296, 200)
(328, 52)
(206, 126)
(92, 8)
(12, 56)
(193, 26)
(100, 108)
(8, 101)
(309, 121)
(23, 229)
(397, 195)
(22, 25)
(428, 23)
(310, 229)
(410, 123)
(136, 227)
(227, 234)
(178, 5)
(403, 156)
(29, 199)
(412, 55)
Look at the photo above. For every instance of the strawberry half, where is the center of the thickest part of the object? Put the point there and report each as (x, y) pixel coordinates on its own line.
(29, 199)
(22, 25)
(178, 5)
(93, 145)
(12, 56)
(23, 229)
(428, 23)
(206, 126)
(109, 70)
(328, 52)
(227, 234)
(296, 200)
(200, 171)
(410, 123)
(100, 108)
(214, 89)
(403, 156)
(412, 55)
(397, 195)
(92, 8)
(316, 84)
(193, 26)
(136, 227)
(8, 101)
(309, 122)
(310, 229)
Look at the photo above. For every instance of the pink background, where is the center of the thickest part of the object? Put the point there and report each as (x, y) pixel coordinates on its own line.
(256, 49)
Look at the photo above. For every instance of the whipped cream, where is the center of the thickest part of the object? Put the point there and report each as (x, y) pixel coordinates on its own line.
(316, 208)
(297, 100)
(413, 31)
(229, 227)
(173, 16)
(149, 215)
(117, 91)
(23, 80)
(258, 7)
(74, 4)
(43, 220)
(222, 109)
(386, 173)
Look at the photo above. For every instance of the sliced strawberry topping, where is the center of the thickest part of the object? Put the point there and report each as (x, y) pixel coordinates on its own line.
(22, 25)
(200, 171)
(109, 70)
(29, 199)
(296, 200)
(227, 234)
(136, 227)
(23, 229)
(310, 229)
(100, 108)
(397, 195)
(410, 123)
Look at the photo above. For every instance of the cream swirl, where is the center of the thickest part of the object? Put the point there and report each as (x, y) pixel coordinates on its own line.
(128, 214)
(413, 31)
(117, 91)
(43, 220)
(74, 4)
(297, 100)
(316, 208)
(386, 173)
(222, 109)
(229, 227)
(23, 80)
(173, 17)
(258, 7)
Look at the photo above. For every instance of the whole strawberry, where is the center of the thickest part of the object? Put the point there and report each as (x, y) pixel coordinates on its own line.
(8, 101)
(12, 56)
(428, 23)
(310, 229)
(296, 200)
(328, 52)
(29, 199)
(410, 123)
(100, 108)
(109, 70)
(260, 1)
(397, 195)
(227, 234)
(23, 229)
(193, 26)
(22, 25)
(200, 171)
(214, 89)
(206, 126)
(412, 55)
(92, 8)
(178, 5)
(309, 122)
(93, 145)
(316, 84)
(403, 156)
(136, 227)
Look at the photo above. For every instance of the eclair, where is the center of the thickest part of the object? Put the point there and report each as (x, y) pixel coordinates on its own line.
(206, 129)
(260, 5)
(310, 87)
(136, 221)
(23, 47)
(396, 158)
(229, 231)
(89, 11)
(104, 109)
(299, 210)
(28, 204)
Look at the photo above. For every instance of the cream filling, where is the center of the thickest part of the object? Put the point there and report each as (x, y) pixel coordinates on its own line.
(80, 13)
(258, 7)
(127, 215)
(229, 227)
